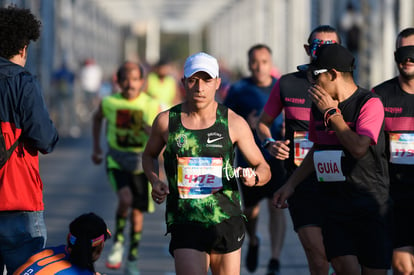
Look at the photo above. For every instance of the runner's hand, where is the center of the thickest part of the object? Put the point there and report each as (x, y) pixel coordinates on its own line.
(159, 191)
(97, 157)
(281, 196)
(321, 98)
(279, 149)
(247, 176)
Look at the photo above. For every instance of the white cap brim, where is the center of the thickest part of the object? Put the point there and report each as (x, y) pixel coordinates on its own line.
(201, 62)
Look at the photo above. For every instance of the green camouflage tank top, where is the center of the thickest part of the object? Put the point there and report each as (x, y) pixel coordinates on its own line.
(198, 164)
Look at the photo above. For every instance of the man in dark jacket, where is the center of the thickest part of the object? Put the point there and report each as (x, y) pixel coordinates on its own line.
(23, 117)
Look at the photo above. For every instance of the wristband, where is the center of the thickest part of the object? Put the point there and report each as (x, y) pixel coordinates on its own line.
(329, 114)
(267, 141)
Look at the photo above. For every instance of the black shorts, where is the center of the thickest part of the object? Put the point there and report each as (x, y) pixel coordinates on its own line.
(253, 195)
(224, 237)
(138, 183)
(403, 223)
(366, 234)
(305, 206)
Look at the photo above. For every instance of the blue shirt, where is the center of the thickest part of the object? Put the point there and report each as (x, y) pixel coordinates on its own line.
(245, 97)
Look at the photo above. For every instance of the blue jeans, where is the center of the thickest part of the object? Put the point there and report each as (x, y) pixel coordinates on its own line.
(21, 235)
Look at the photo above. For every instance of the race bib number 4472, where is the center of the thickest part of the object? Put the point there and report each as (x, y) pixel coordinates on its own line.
(199, 177)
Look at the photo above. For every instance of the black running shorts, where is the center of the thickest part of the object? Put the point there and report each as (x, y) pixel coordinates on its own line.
(253, 195)
(305, 205)
(222, 238)
(403, 223)
(364, 233)
(138, 183)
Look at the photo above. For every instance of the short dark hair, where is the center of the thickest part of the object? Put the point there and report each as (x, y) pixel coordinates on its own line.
(17, 28)
(258, 47)
(403, 34)
(128, 66)
(323, 28)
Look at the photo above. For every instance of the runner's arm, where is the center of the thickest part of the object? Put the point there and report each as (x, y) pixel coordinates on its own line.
(279, 148)
(96, 135)
(150, 163)
(242, 136)
(299, 175)
(368, 126)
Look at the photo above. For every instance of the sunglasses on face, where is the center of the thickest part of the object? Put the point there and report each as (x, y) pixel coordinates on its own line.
(314, 75)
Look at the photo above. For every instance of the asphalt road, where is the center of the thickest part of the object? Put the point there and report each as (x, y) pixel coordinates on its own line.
(73, 186)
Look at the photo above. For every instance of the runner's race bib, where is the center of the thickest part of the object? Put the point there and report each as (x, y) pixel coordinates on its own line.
(328, 165)
(302, 145)
(402, 148)
(199, 177)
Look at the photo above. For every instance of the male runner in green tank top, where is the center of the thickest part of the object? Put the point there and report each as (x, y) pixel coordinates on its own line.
(203, 212)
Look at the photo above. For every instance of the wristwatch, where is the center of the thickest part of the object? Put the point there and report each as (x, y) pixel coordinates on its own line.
(329, 114)
(267, 141)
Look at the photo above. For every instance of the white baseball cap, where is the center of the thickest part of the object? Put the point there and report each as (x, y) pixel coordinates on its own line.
(201, 62)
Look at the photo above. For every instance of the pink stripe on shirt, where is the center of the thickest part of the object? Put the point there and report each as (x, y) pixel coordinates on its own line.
(399, 124)
(297, 113)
